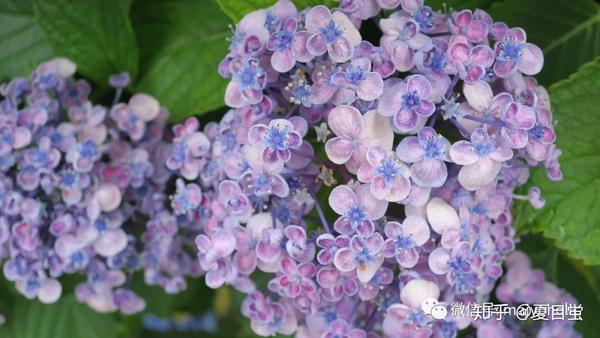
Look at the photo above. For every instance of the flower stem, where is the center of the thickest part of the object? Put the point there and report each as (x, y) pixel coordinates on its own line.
(321, 213)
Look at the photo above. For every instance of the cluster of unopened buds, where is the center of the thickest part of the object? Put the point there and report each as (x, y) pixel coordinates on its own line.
(362, 179)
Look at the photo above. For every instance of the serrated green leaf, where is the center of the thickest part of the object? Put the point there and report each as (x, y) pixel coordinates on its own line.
(23, 44)
(65, 318)
(236, 9)
(572, 212)
(181, 45)
(96, 34)
(567, 31)
(570, 275)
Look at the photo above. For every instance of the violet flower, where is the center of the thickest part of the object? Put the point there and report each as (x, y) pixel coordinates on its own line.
(387, 176)
(357, 209)
(406, 102)
(331, 33)
(427, 153)
(363, 256)
(405, 238)
(514, 53)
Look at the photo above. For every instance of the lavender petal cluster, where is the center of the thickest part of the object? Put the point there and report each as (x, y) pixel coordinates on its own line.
(365, 177)
(83, 190)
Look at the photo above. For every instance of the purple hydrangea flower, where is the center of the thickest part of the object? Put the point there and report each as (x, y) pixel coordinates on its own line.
(331, 33)
(248, 81)
(189, 148)
(277, 140)
(340, 329)
(407, 101)
(329, 245)
(514, 53)
(468, 25)
(359, 79)
(354, 135)
(288, 46)
(363, 256)
(481, 159)
(427, 153)
(387, 175)
(335, 284)
(357, 209)
(472, 63)
(401, 38)
(405, 238)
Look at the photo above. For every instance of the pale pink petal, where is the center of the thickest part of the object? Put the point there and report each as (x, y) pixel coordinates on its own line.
(429, 173)
(339, 150)
(344, 260)
(438, 261)
(532, 60)
(365, 272)
(345, 121)
(462, 153)
(479, 174)
(479, 95)
(317, 17)
(409, 150)
(341, 198)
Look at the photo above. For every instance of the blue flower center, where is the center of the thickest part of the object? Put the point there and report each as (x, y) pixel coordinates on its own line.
(483, 148)
(537, 132)
(404, 242)
(459, 265)
(100, 225)
(510, 51)
(438, 61)
(88, 149)
(271, 20)
(69, 179)
(418, 318)
(355, 74)
(363, 256)
(331, 32)
(424, 17)
(411, 100)
(356, 215)
(247, 77)
(284, 39)
(276, 138)
(433, 149)
(387, 169)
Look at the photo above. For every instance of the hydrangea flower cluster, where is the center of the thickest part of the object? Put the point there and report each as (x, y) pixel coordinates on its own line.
(365, 176)
(79, 183)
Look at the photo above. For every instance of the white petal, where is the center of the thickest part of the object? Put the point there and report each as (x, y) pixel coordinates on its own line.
(441, 215)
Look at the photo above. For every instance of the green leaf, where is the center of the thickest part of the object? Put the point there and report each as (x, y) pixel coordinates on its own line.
(66, 318)
(23, 44)
(567, 31)
(568, 274)
(96, 34)
(572, 210)
(236, 9)
(182, 43)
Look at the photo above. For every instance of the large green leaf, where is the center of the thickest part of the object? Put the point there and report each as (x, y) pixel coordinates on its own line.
(568, 31)
(570, 275)
(66, 318)
(572, 212)
(181, 45)
(96, 34)
(23, 44)
(236, 9)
